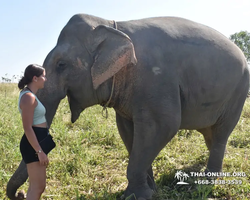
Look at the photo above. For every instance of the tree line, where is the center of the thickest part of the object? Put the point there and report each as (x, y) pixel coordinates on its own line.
(14, 78)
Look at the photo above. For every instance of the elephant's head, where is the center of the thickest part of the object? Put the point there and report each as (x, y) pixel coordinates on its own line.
(86, 56)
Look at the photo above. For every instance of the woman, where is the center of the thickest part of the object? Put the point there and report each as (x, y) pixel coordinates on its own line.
(36, 131)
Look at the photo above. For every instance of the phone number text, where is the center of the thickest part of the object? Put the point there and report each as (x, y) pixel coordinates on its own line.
(218, 182)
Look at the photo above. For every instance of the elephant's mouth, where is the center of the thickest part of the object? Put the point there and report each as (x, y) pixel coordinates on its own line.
(75, 108)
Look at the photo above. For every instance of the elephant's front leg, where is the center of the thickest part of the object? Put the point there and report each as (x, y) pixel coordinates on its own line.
(150, 136)
(126, 131)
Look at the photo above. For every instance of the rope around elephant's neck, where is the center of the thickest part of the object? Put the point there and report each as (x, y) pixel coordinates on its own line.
(112, 90)
(108, 102)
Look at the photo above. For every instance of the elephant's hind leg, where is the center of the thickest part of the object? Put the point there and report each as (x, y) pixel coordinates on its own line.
(216, 136)
(216, 140)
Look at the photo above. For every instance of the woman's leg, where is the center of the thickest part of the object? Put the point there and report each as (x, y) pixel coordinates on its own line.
(37, 180)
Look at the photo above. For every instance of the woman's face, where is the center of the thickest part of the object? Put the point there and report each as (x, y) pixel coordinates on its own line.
(41, 80)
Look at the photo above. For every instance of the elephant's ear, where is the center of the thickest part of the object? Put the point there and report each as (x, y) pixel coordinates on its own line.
(112, 51)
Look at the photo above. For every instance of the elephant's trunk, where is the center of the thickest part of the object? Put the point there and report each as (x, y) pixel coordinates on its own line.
(17, 179)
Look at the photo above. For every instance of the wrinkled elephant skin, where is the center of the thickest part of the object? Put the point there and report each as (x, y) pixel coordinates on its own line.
(159, 74)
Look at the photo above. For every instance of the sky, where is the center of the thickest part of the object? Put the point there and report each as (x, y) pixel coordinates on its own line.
(29, 29)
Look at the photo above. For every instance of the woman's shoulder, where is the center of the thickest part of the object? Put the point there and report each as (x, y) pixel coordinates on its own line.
(27, 97)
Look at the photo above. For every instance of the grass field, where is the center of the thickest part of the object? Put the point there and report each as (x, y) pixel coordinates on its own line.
(90, 159)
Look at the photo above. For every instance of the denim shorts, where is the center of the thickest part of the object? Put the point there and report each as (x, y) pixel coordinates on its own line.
(28, 153)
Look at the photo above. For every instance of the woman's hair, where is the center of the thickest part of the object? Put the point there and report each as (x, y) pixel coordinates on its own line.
(30, 71)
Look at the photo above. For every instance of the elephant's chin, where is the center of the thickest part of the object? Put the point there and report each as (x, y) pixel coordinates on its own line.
(75, 109)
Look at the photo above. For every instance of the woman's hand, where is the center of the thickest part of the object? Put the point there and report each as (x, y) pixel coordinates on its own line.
(43, 159)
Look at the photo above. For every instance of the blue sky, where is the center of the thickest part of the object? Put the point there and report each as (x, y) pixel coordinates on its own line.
(29, 29)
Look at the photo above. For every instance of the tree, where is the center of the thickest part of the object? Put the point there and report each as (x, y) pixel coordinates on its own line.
(242, 40)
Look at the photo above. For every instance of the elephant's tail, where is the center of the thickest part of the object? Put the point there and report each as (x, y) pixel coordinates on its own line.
(17, 179)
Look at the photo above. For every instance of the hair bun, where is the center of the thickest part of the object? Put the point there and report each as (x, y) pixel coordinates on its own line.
(22, 83)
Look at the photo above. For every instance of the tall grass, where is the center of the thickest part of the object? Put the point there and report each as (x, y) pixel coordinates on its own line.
(90, 159)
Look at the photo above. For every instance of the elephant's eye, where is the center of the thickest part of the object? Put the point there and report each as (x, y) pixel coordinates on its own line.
(61, 65)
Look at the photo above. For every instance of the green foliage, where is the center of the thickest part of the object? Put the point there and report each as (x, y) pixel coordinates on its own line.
(242, 40)
(90, 160)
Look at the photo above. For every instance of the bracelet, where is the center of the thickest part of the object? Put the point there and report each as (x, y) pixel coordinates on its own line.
(39, 151)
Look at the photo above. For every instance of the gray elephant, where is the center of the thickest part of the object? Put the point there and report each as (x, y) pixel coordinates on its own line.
(159, 74)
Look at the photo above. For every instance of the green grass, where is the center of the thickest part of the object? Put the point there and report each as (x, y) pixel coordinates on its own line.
(90, 159)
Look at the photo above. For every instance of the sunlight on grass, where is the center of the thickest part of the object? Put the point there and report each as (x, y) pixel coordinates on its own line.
(90, 159)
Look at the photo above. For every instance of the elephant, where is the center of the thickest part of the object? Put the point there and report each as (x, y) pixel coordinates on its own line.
(159, 74)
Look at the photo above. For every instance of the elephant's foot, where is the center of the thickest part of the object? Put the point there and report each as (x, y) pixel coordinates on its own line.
(139, 193)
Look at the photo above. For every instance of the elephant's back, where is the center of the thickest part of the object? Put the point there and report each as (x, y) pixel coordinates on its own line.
(184, 46)
(174, 31)
(207, 66)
